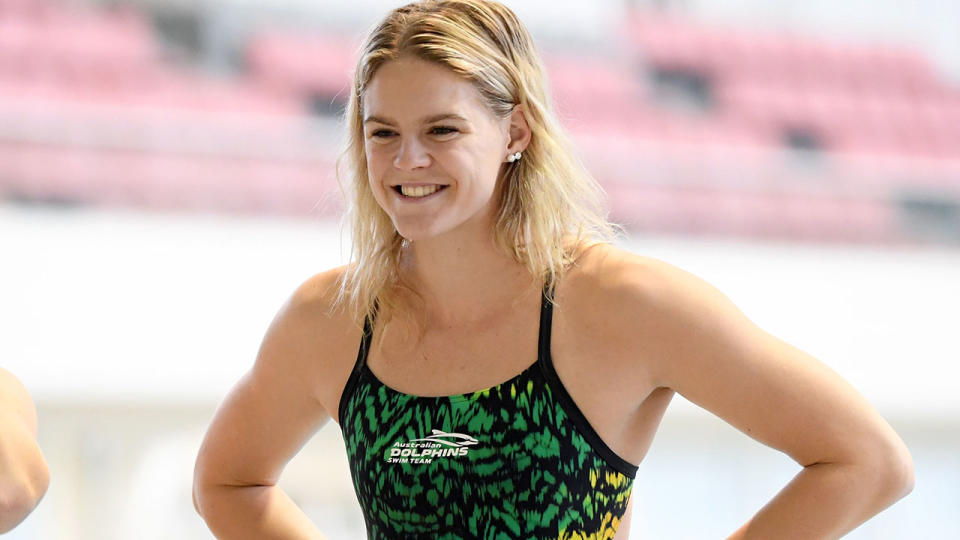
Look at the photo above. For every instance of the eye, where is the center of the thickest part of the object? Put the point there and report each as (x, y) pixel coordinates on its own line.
(381, 133)
(443, 130)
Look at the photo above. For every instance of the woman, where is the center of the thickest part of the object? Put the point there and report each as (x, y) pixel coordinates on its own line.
(497, 368)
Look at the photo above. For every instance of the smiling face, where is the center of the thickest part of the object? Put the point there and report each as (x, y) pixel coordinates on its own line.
(434, 150)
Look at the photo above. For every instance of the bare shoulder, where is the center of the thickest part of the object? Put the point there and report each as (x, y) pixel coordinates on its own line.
(624, 291)
(648, 298)
(290, 392)
(313, 340)
(613, 270)
(604, 308)
(696, 341)
(317, 294)
(674, 319)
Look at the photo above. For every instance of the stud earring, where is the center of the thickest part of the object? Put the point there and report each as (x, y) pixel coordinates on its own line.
(513, 157)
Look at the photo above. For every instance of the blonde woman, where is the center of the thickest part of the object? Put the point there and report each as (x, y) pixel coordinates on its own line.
(497, 368)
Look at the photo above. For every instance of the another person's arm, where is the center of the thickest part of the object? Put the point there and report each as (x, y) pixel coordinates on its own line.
(264, 421)
(24, 475)
(695, 341)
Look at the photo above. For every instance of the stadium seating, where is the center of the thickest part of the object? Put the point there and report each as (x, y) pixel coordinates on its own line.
(691, 127)
(857, 98)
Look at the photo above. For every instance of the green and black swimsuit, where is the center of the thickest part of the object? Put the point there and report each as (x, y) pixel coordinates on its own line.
(516, 460)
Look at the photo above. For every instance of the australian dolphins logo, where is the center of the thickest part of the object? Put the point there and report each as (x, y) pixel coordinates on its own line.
(440, 437)
(439, 444)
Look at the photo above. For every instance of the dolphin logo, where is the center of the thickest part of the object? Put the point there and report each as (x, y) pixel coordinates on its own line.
(464, 440)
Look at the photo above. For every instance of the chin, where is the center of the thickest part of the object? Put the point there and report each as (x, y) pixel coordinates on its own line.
(413, 234)
(422, 229)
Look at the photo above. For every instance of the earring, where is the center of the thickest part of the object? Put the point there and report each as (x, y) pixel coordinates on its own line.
(513, 157)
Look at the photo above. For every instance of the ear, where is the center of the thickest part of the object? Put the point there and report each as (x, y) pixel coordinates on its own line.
(519, 131)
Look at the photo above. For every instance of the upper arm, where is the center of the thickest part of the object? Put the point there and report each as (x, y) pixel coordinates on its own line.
(275, 407)
(705, 348)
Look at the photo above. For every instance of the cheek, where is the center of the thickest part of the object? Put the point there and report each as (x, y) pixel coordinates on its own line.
(487, 171)
(375, 166)
(374, 181)
(477, 165)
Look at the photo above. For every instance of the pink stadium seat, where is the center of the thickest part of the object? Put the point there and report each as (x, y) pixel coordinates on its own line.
(902, 71)
(592, 80)
(882, 113)
(664, 41)
(307, 63)
(24, 9)
(167, 181)
(75, 46)
(765, 59)
(724, 52)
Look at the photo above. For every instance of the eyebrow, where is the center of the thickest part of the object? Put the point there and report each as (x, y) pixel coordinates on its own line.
(429, 119)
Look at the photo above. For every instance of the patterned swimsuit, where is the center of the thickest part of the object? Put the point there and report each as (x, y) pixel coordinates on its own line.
(516, 460)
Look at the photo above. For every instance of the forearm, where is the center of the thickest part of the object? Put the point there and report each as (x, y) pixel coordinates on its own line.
(825, 501)
(254, 512)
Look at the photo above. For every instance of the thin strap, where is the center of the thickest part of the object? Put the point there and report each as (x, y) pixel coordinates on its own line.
(560, 393)
(546, 322)
(365, 340)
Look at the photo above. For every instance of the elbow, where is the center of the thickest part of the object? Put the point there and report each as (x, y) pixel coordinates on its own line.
(19, 498)
(196, 499)
(203, 482)
(894, 471)
(200, 488)
(207, 496)
(15, 506)
(200, 495)
(203, 502)
(902, 477)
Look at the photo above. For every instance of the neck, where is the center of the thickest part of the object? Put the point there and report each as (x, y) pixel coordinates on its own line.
(462, 278)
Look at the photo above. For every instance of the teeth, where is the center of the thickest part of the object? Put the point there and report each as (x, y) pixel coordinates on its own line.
(419, 191)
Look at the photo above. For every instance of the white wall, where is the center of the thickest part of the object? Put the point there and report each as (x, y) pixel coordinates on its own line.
(128, 329)
(90, 298)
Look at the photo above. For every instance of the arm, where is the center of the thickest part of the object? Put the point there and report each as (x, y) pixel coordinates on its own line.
(264, 421)
(702, 346)
(24, 475)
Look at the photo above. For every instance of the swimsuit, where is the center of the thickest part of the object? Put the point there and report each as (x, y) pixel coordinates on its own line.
(516, 460)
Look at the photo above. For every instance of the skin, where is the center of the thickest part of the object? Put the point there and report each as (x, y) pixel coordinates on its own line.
(24, 475)
(450, 234)
(630, 331)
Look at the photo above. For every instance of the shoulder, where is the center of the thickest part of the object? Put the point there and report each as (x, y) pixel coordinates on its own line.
(646, 306)
(311, 339)
(315, 294)
(312, 306)
(623, 283)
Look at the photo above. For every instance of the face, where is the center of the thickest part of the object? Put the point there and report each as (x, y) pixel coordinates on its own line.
(433, 149)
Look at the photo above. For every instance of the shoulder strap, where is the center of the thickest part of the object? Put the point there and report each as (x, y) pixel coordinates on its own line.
(367, 337)
(546, 323)
(560, 393)
(365, 340)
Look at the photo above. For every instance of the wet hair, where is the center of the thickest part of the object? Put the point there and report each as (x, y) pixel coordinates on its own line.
(550, 207)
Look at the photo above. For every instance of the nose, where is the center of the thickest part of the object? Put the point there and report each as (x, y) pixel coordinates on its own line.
(411, 155)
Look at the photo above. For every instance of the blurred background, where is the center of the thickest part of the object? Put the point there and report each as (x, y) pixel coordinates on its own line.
(167, 180)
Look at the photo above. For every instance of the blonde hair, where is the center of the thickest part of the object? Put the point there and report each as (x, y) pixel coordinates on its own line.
(545, 199)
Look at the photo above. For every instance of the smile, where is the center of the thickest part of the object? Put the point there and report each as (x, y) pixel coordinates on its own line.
(418, 192)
